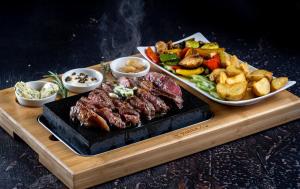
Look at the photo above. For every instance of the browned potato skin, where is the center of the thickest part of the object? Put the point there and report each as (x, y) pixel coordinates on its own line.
(236, 79)
(278, 83)
(222, 78)
(231, 70)
(261, 87)
(215, 74)
(249, 94)
(259, 74)
(192, 61)
(232, 92)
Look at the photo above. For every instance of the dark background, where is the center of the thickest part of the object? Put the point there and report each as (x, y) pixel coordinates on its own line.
(37, 36)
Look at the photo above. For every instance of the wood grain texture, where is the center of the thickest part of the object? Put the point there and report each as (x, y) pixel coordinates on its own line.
(228, 123)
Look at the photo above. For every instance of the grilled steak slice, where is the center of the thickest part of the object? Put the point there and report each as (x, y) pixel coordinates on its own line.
(108, 87)
(105, 112)
(159, 105)
(124, 81)
(99, 95)
(87, 117)
(143, 106)
(165, 86)
(112, 118)
(127, 112)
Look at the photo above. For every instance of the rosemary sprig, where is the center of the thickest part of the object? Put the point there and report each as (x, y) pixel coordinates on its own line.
(63, 92)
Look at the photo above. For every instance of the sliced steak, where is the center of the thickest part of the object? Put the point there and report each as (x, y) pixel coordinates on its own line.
(87, 117)
(159, 105)
(165, 86)
(142, 106)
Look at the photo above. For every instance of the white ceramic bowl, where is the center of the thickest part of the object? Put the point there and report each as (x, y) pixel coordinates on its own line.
(79, 88)
(37, 85)
(120, 62)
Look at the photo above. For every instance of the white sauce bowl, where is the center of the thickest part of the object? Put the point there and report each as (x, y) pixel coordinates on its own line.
(78, 88)
(117, 64)
(37, 85)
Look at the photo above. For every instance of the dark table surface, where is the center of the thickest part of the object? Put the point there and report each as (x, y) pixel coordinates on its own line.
(39, 36)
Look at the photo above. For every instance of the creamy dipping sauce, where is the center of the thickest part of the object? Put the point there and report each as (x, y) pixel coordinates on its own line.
(80, 79)
(132, 66)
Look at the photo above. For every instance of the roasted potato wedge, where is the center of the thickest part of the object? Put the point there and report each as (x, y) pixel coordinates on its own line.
(191, 62)
(222, 78)
(259, 74)
(261, 87)
(232, 70)
(245, 68)
(278, 83)
(234, 61)
(232, 92)
(236, 79)
(249, 94)
(215, 74)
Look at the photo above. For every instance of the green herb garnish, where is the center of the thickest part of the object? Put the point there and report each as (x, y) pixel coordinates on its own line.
(62, 91)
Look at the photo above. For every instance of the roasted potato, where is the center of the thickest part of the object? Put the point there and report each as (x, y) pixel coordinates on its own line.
(245, 68)
(232, 92)
(278, 83)
(236, 79)
(222, 78)
(191, 62)
(215, 74)
(232, 70)
(261, 87)
(249, 94)
(234, 61)
(259, 74)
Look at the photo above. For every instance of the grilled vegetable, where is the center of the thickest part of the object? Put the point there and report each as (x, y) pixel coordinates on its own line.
(183, 52)
(174, 51)
(210, 46)
(278, 83)
(205, 84)
(213, 63)
(188, 73)
(161, 47)
(191, 62)
(192, 44)
(171, 68)
(209, 52)
(152, 55)
(168, 58)
(232, 92)
(259, 74)
(261, 87)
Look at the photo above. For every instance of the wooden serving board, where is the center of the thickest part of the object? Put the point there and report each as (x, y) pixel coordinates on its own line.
(229, 123)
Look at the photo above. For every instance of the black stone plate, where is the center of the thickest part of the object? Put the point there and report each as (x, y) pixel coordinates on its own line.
(93, 141)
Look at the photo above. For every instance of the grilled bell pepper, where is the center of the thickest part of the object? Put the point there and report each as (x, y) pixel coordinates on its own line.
(188, 73)
(168, 57)
(174, 51)
(152, 55)
(213, 63)
(171, 68)
(183, 52)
